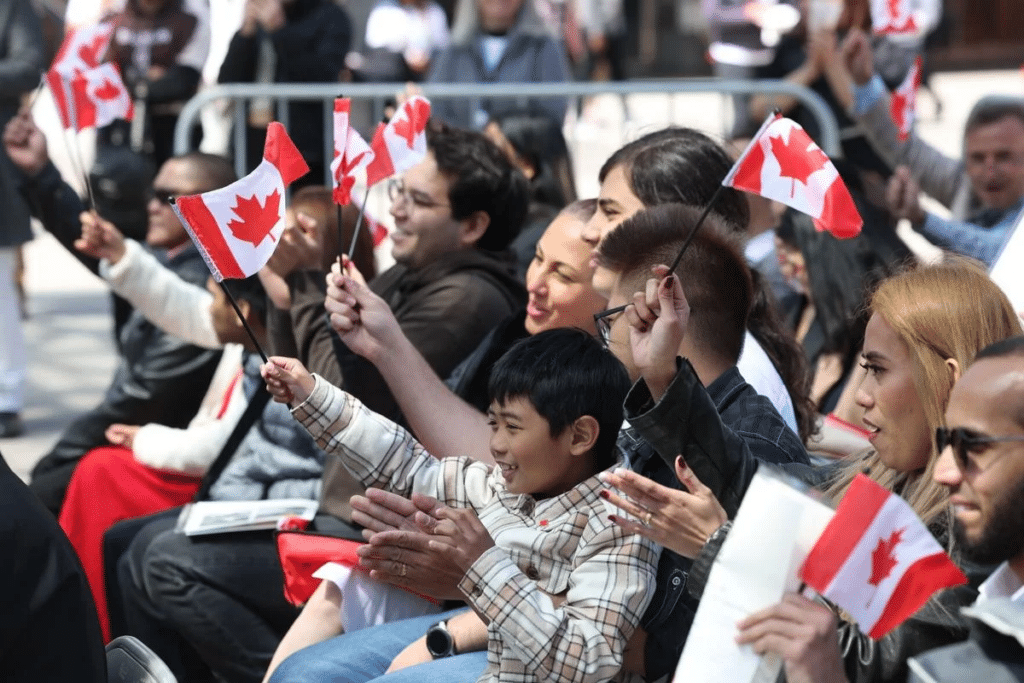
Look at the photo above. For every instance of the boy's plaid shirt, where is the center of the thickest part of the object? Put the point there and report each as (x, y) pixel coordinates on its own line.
(562, 546)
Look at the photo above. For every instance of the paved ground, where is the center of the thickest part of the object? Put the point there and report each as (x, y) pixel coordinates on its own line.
(68, 331)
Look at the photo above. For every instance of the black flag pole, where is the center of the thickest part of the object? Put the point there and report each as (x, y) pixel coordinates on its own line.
(696, 227)
(245, 323)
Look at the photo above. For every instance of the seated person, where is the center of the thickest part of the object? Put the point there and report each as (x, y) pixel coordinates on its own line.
(159, 377)
(46, 604)
(984, 190)
(560, 587)
(152, 467)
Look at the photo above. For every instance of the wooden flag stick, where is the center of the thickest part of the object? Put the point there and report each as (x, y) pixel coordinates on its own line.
(359, 222)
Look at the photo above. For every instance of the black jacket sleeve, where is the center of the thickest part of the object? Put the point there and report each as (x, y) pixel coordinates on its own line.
(57, 207)
(686, 422)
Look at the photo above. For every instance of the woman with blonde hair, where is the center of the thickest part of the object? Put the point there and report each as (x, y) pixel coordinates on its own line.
(926, 325)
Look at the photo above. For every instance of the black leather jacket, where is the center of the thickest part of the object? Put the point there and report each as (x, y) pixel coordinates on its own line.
(158, 378)
(684, 421)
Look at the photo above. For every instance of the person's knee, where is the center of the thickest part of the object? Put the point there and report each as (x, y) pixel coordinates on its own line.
(305, 665)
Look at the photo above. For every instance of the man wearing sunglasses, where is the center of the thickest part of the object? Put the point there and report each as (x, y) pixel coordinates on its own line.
(159, 378)
(981, 462)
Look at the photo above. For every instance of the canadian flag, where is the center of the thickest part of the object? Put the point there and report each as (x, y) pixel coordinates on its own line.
(101, 97)
(893, 17)
(83, 49)
(351, 153)
(877, 560)
(782, 163)
(904, 100)
(236, 228)
(402, 143)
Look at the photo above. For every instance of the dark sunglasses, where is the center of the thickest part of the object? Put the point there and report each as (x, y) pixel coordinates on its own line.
(165, 196)
(962, 441)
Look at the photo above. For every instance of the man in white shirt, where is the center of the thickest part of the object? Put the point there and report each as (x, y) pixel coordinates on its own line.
(982, 465)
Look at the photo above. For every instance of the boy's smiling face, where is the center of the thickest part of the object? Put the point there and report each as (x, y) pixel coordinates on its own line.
(531, 460)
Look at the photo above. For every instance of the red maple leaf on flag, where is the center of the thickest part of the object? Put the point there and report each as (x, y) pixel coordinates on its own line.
(90, 52)
(256, 221)
(344, 179)
(883, 559)
(419, 112)
(794, 162)
(108, 90)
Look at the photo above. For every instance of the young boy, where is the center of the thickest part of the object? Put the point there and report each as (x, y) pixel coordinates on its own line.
(560, 586)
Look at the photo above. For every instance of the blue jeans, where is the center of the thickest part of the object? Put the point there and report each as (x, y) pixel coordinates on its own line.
(364, 655)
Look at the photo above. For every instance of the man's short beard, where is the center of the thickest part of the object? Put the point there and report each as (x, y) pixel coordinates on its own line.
(1003, 536)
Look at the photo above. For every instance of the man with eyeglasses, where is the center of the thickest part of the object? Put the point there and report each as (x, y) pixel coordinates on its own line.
(454, 278)
(159, 378)
(981, 462)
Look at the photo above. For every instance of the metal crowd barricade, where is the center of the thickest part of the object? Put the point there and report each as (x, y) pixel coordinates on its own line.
(379, 93)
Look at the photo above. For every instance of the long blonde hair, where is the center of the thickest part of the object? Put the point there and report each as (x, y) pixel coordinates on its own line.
(941, 312)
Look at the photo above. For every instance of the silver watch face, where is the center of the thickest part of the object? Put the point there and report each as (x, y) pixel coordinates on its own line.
(439, 641)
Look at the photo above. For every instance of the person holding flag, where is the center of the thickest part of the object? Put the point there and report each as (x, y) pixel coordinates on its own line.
(21, 63)
(925, 327)
(984, 190)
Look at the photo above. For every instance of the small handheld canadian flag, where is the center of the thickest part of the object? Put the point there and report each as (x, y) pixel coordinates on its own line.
(877, 560)
(402, 143)
(83, 49)
(782, 163)
(903, 103)
(236, 228)
(351, 153)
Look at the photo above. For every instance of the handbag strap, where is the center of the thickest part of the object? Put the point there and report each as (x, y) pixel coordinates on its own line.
(252, 411)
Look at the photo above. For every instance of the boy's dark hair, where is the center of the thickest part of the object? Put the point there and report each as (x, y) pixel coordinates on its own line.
(680, 165)
(713, 272)
(565, 374)
(482, 179)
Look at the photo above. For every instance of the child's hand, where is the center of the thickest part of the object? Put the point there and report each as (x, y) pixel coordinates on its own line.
(287, 379)
(459, 536)
(658, 319)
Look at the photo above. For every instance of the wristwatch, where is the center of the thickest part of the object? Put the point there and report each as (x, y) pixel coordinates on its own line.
(439, 641)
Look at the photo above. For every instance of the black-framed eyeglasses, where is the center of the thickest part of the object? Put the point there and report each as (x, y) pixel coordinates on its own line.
(962, 440)
(397, 188)
(604, 325)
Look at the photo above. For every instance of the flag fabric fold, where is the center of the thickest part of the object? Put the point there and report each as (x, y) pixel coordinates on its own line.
(877, 560)
(351, 153)
(903, 103)
(100, 97)
(83, 49)
(894, 18)
(401, 143)
(236, 228)
(783, 163)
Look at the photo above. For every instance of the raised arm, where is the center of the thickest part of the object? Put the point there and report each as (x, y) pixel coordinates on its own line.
(174, 305)
(444, 423)
(939, 175)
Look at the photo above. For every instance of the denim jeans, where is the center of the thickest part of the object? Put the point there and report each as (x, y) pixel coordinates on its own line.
(363, 656)
(222, 594)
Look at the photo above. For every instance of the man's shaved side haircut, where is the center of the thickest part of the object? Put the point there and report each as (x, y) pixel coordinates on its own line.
(713, 272)
(214, 170)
